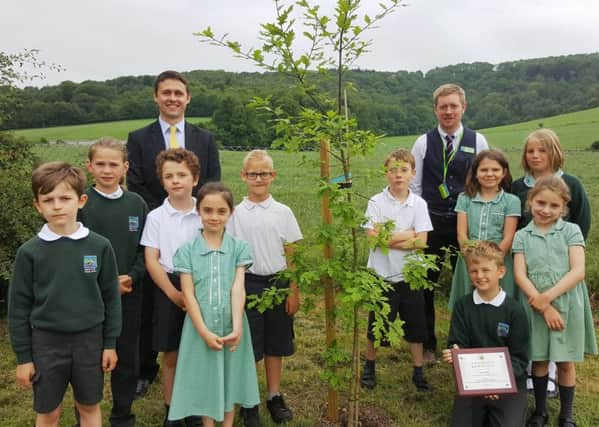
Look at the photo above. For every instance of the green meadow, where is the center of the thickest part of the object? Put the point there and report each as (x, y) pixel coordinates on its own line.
(394, 401)
(90, 132)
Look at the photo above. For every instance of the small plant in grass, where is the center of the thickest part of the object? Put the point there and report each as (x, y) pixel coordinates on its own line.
(335, 42)
(595, 146)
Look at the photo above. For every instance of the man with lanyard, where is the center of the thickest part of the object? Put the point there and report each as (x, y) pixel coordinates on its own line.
(443, 156)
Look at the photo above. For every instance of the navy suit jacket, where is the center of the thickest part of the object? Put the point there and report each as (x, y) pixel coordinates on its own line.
(144, 145)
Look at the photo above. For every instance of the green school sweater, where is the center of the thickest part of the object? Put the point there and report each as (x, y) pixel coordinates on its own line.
(121, 221)
(484, 325)
(63, 286)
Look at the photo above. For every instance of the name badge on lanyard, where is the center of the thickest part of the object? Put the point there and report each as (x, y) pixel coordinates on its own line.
(443, 190)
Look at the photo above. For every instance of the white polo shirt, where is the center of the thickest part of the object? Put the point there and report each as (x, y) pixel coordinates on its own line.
(267, 226)
(167, 229)
(412, 214)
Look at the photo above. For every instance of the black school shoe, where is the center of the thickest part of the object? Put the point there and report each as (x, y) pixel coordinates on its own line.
(368, 377)
(566, 422)
(421, 384)
(250, 416)
(537, 420)
(279, 411)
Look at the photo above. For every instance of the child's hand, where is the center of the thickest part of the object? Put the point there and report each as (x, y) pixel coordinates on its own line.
(109, 359)
(539, 302)
(446, 354)
(213, 341)
(178, 299)
(232, 340)
(553, 319)
(292, 303)
(492, 396)
(125, 284)
(25, 373)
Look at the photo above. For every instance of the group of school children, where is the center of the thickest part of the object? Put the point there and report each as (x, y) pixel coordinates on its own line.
(74, 311)
(523, 289)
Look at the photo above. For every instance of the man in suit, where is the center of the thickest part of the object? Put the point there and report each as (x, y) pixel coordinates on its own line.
(171, 94)
(443, 156)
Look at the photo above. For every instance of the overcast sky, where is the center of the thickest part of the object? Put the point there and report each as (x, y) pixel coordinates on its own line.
(99, 40)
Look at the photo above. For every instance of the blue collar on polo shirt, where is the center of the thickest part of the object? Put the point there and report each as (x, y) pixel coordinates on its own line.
(530, 180)
(496, 199)
(225, 246)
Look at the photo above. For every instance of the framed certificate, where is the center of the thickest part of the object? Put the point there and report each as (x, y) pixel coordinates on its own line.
(483, 371)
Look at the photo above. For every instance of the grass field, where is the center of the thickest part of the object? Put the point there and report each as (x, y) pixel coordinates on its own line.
(394, 396)
(90, 132)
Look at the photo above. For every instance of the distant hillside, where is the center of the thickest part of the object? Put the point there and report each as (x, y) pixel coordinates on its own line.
(576, 130)
(395, 103)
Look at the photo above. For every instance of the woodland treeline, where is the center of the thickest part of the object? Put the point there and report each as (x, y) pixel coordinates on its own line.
(392, 103)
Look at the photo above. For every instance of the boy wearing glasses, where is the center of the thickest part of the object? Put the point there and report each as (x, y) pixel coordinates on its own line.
(270, 228)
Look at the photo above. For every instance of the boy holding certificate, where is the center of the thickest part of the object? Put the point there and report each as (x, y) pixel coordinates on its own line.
(489, 318)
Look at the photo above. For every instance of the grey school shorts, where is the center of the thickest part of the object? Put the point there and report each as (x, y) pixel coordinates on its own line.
(63, 358)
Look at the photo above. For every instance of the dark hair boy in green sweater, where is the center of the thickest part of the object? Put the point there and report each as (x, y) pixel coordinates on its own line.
(64, 308)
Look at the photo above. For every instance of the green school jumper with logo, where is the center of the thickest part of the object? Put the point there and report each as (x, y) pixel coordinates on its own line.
(65, 286)
(121, 221)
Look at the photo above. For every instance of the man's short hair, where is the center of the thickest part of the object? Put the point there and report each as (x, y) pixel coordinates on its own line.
(48, 176)
(484, 249)
(401, 155)
(170, 74)
(178, 155)
(449, 89)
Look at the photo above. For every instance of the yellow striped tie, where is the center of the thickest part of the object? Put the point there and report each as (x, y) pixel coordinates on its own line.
(173, 142)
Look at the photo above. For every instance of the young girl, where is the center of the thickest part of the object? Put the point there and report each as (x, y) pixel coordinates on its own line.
(549, 266)
(215, 368)
(119, 215)
(486, 212)
(543, 156)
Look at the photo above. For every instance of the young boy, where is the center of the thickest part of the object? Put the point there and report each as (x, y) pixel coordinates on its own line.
(64, 311)
(167, 228)
(119, 215)
(269, 227)
(409, 214)
(489, 318)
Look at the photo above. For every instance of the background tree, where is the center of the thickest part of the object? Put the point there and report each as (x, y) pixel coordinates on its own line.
(18, 220)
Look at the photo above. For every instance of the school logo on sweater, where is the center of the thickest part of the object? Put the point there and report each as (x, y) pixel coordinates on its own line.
(133, 223)
(90, 263)
(503, 329)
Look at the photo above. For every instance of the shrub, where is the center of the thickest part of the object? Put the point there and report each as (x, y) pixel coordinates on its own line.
(18, 219)
(595, 146)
